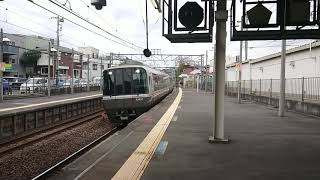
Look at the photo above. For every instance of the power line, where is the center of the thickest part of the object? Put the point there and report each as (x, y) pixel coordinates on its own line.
(81, 25)
(89, 22)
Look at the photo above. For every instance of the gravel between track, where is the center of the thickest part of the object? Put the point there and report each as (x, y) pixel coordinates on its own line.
(30, 161)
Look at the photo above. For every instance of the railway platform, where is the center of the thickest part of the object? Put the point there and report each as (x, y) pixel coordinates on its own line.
(17, 105)
(171, 142)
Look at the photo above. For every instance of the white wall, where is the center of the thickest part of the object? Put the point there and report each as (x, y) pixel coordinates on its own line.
(299, 64)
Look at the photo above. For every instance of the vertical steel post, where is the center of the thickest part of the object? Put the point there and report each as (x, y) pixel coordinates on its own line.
(1, 70)
(49, 70)
(101, 74)
(282, 80)
(270, 91)
(240, 64)
(221, 34)
(198, 83)
(302, 89)
(259, 87)
(72, 72)
(88, 77)
(206, 85)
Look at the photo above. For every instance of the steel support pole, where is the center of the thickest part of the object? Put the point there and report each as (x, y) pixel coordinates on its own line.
(72, 72)
(101, 74)
(49, 70)
(1, 70)
(221, 33)
(88, 74)
(198, 83)
(282, 80)
(206, 79)
(239, 75)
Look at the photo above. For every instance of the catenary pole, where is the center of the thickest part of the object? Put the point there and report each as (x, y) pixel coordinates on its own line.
(49, 70)
(72, 72)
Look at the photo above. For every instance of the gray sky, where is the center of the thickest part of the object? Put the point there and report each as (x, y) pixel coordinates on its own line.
(125, 18)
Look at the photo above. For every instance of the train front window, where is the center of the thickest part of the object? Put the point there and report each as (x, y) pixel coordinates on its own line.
(125, 81)
(119, 82)
(140, 81)
(109, 82)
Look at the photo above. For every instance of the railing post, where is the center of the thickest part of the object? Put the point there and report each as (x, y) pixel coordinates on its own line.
(250, 88)
(259, 87)
(302, 89)
(270, 91)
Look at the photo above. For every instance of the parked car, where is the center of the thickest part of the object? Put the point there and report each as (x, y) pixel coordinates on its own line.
(15, 82)
(34, 85)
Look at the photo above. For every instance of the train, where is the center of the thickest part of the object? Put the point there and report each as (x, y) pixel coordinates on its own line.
(130, 90)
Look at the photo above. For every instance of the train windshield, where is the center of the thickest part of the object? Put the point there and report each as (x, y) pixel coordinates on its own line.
(125, 81)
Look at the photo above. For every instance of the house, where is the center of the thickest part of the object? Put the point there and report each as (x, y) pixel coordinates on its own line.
(10, 60)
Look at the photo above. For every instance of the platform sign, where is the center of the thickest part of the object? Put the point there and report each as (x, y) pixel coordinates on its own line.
(275, 19)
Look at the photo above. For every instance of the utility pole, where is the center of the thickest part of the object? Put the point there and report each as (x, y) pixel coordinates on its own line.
(214, 68)
(1, 70)
(49, 70)
(88, 78)
(58, 44)
(221, 34)
(282, 79)
(72, 71)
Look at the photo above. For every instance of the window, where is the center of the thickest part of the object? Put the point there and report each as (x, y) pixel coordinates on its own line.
(44, 71)
(95, 66)
(139, 81)
(13, 60)
(109, 82)
(62, 71)
(125, 81)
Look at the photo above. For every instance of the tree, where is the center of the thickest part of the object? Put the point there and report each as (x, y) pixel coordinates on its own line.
(30, 59)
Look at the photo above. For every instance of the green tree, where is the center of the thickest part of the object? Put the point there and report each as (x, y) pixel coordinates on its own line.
(30, 59)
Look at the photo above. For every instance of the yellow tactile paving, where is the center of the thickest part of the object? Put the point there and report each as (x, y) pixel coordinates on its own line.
(135, 165)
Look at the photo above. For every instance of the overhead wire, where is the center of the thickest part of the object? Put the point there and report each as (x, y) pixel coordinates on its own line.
(89, 22)
(77, 24)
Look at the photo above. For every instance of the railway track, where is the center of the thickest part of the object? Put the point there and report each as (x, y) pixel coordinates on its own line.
(75, 155)
(30, 139)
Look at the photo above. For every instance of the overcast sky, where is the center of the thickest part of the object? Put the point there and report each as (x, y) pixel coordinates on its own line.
(124, 18)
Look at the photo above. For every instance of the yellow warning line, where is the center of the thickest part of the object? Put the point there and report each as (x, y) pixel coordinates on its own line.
(136, 164)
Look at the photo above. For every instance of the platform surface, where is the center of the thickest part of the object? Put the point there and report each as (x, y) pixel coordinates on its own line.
(263, 145)
(36, 102)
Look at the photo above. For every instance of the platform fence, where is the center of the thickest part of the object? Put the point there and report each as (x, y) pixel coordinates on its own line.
(40, 87)
(296, 88)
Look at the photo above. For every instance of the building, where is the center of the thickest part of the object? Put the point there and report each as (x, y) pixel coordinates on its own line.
(65, 63)
(24, 43)
(302, 61)
(10, 59)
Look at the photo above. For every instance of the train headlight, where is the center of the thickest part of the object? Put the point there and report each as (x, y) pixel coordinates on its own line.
(137, 71)
(110, 73)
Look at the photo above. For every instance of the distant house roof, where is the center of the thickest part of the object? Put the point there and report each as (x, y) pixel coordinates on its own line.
(187, 70)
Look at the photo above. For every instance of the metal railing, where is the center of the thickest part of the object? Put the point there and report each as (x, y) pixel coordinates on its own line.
(39, 87)
(296, 88)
